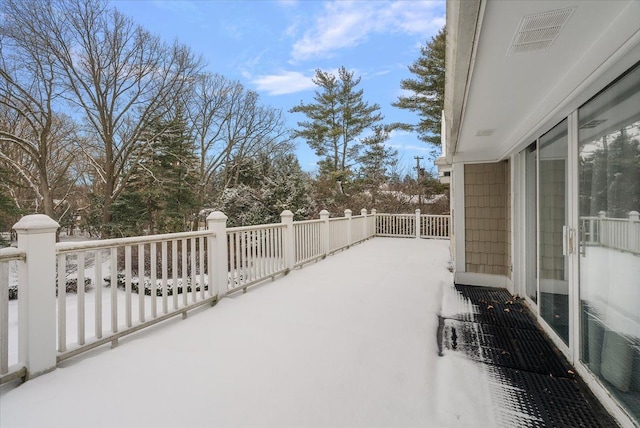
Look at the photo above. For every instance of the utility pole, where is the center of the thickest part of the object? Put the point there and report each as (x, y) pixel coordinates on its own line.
(419, 171)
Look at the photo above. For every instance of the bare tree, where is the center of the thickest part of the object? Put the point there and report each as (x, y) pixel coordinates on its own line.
(207, 112)
(118, 76)
(36, 141)
(252, 129)
(230, 125)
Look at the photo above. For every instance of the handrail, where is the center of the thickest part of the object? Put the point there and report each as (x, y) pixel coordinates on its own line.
(68, 247)
(259, 227)
(11, 254)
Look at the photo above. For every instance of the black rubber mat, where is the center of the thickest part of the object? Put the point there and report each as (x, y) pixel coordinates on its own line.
(497, 307)
(547, 401)
(531, 382)
(523, 349)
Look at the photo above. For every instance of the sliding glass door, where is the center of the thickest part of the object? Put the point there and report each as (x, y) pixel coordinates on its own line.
(552, 211)
(531, 221)
(609, 203)
(582, 247)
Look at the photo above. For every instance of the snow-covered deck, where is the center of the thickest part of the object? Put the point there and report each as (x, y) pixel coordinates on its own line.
(348, 341)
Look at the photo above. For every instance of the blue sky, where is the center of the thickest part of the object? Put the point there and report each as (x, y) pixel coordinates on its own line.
(274, 48)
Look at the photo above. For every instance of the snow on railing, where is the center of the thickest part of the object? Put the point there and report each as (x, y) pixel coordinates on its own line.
(75, 296)
(9, 260)
(617, 233)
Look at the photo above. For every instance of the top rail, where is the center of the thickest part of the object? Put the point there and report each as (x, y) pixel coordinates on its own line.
(10, 254)
(70, 247)
(261, 227)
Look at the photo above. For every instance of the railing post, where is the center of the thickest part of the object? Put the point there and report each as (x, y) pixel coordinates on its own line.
(289, 244)
(603, 233)
(347, 214)
(37, 288)
(634, 245)
(363, 213)
(326, 238)
(218, 254)
(374, 213)
(418, 223)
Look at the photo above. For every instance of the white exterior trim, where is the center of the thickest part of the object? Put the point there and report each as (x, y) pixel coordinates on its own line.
(603, 395)
(481, 279)
(518, 244)
(458, 211)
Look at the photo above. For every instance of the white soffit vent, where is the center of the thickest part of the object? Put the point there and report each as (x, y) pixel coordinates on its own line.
(485, 133)
(538, 32)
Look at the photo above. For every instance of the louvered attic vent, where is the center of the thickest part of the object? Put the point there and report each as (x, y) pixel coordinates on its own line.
(538, 32)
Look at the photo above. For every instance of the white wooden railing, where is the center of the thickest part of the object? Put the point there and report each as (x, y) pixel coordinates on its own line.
(75, 296)
(9, 260)
(255, 254)
(309, 241)
(622, 234)
(404, 225)
(164, 274)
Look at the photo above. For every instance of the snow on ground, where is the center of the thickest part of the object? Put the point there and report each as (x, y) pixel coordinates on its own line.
(349, 341)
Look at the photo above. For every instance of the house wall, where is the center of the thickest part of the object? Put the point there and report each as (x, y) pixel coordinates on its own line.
(486, 190)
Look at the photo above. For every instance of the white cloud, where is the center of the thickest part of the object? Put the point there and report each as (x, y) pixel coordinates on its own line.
(286, 82)
(345, 24)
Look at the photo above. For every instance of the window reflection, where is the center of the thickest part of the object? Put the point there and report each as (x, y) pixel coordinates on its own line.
(609, 202)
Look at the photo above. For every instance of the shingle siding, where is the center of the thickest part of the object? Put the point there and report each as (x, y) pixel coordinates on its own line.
(487, 218)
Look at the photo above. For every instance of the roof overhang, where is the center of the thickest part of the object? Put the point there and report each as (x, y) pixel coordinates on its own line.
(499, 96)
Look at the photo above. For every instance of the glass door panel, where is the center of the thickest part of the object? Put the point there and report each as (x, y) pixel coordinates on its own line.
(553, 258)
(609, 202)
(531, 222)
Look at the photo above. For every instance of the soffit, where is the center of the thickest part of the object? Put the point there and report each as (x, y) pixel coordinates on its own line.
(510, 95)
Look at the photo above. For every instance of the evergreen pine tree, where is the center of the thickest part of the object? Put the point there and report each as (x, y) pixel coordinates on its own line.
(161, 195)
(336, 120)
(427, 89)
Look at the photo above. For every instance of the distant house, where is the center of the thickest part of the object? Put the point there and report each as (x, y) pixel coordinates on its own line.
(542, 141)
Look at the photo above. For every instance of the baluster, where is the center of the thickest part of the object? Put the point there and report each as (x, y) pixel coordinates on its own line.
(272, 251)
(201, 266)
(165, 274)
(231, 259)
(141, 287)
(237, 236)
(185, 293)
(4, 317)
(97, 257)
(127, 276)
(251, 255)
(192, 272)
(114, 289)
(174, 272)
(261, 253)
(62, 303)
(154, 279)
(80, 294)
